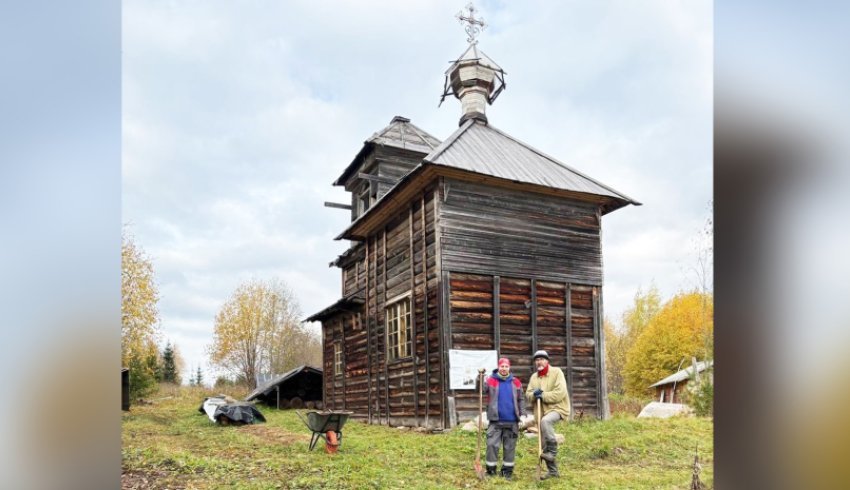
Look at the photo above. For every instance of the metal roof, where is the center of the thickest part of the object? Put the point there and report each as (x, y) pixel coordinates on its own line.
(472, 53)
(483, 149)
(684, 373)
(400, 133)
(267, 387)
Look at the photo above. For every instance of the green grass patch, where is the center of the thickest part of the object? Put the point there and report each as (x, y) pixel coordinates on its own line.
(170, 444)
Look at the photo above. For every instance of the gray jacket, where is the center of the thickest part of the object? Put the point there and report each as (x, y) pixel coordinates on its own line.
(491, 386)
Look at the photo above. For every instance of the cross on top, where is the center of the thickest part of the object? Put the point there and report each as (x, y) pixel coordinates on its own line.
(473, 26)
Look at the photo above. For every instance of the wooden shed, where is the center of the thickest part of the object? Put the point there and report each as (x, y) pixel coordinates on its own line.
(669, 389)
(303, 383)
(478, 242)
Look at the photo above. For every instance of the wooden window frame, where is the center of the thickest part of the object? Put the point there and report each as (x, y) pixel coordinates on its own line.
(399, 331)
(337, 359)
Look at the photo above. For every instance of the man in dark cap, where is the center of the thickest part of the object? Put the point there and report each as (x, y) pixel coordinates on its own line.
(548, 385)
(505, 406)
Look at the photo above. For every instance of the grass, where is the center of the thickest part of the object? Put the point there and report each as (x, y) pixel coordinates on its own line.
(169, 444)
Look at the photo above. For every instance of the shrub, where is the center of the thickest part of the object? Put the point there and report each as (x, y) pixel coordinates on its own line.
(625, 404)
(701, 397)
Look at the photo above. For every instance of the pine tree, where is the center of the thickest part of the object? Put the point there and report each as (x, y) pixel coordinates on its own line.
(199, 377)
(169, 366)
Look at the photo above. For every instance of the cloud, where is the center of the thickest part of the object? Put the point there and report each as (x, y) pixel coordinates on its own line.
(237, 118)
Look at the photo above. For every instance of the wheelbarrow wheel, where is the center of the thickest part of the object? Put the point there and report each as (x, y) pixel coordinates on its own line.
(331, 442)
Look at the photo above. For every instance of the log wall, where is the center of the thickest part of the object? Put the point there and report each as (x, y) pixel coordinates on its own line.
(496, 231)
(399, 264)
(516, 317)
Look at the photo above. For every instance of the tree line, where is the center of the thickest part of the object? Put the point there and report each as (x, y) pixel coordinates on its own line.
(256, 331)
(656, 338)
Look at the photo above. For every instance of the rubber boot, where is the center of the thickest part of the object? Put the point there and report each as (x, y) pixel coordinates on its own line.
(551, 466)
(549, 451)
(491, 470)
(508, 472)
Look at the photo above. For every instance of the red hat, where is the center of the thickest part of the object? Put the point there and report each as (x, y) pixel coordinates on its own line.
(505, 360)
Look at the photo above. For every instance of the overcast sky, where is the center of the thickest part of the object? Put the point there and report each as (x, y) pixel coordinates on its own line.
(239, 115)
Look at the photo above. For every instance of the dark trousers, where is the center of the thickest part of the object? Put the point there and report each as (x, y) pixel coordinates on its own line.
(503, 434)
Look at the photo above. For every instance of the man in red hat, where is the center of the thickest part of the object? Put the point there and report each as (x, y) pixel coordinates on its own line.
(505, 406)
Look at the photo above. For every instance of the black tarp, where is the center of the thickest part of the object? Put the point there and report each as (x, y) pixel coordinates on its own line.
(231, 412)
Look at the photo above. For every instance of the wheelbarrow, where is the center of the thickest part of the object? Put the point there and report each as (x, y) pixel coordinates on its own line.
(326, 425)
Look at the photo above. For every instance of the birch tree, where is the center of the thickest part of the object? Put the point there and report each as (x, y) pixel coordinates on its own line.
(258, 330)
(139, 317)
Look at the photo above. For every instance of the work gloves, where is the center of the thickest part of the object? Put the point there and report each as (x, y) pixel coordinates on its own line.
(538, 393)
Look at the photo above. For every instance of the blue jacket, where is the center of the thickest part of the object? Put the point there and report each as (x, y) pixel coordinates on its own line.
(492, 384)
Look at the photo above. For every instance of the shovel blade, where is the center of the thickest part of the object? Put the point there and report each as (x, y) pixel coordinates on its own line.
(479, 470)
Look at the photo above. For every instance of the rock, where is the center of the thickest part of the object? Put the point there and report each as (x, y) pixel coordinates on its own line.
(403, 428)
(472, 425)
(527, 421)
(559, 438)
(662, 410)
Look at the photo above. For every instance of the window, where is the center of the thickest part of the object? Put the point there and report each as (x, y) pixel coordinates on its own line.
(363, 203)
(399, 338)
(337, 359)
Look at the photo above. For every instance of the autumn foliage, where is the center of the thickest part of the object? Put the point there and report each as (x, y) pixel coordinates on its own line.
(139, 317)
(258, 330)
(682, 329)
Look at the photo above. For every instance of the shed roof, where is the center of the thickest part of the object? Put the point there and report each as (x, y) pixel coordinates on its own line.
(684, 373)
(400, 133)
(345, 304)
(268, 387)
(483, 149)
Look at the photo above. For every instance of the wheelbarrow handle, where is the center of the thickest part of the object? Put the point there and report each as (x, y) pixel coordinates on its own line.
(302, 419)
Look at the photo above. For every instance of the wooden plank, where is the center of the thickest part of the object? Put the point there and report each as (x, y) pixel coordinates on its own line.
(377, 178)
(569, 330)
(603, 382)
(442, 312)
(386, 331)
(369, 341)
(337, 205)
(533, 315)
(342, 348)
(596, 353)
(412, 310)
(425, 315)
(497, 342)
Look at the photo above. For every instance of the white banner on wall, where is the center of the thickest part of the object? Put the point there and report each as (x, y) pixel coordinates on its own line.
(464, 366)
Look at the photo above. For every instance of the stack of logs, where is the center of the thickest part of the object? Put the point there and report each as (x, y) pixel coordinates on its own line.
(297, 402)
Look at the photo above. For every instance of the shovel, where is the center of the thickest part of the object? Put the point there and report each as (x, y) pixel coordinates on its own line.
(478, 469)
(539, 438)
